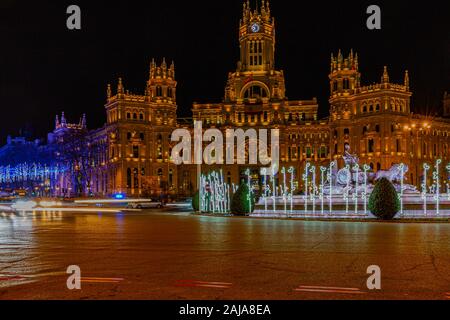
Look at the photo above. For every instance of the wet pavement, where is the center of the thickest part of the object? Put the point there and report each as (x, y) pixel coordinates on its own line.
(174, 255)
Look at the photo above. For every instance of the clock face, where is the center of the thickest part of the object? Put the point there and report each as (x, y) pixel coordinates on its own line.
(255, 27)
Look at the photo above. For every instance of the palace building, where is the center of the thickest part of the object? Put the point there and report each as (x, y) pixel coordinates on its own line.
(375, 121)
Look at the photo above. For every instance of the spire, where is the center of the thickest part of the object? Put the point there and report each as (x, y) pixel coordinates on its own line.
(407, 80)
(56, 122)
(340, 58)
(385, 78)
(108, 91)
(152, 69)
(172, 70)
(63, 120)
(83, 121)
(120, 88)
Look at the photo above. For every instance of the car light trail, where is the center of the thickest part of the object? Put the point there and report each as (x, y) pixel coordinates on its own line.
(101, 280)
(203, 284)
(322, 289)
(111, 201)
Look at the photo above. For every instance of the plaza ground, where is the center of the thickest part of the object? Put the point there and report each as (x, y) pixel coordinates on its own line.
(172, 254)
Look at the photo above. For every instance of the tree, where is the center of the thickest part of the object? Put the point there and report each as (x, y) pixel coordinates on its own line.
(79, 155)
(240, 204)
(384, 201)
(196, 201)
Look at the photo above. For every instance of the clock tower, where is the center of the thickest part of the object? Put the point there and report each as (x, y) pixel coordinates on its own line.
(256, 81)
(257, 38)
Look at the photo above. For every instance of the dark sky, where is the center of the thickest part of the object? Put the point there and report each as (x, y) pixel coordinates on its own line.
(46, 69)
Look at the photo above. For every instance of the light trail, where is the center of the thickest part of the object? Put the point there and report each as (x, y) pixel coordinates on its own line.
(203, 284)
(112, 201)
(322, 289)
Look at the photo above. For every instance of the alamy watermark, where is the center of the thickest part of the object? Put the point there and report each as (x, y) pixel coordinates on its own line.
(239, 146)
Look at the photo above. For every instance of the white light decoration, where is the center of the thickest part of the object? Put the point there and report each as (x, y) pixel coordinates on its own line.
(273, 189)
(330, 178)
(426, 167)
(448, 186)
(284, 189)
(402, 173)
(366, 168)
(323, 170)
(347, 188)
(265, 188)
(355, 193)
(249, 195)
(314, 188)
(437, 184)
(291, 172)
(305, 180)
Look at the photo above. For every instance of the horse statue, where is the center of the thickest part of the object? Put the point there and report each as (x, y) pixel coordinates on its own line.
(394, 174)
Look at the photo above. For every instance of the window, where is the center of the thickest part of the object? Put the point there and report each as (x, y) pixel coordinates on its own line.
(135, 178)
(255, 92)
(308, 152)
(371, 145)
(377, 108)
(323, 152)
(346, 84)
(135, 151)
(346, 131)
(256, 53)
(378, 166)
(158, 91)
(129, 135)
(134, 116)
(141, 116)
(364, 109)
(377, 128)
(129, 178)
(142, 136)
(170, 178)
(128, 115)
(398, 145)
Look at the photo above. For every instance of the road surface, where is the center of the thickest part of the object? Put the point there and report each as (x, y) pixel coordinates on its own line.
(166, 254)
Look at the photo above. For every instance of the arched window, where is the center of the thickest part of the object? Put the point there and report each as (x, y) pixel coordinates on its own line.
(141, 116)
(364, 109)
(370, 146)
(377, 128)
(371, 108)
(134, 116)
(346, 84)
(346, 131)
(377, 108)
(158, 91)
(256, 92)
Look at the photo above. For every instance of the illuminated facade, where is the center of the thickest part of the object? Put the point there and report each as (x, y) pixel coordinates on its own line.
(134, 150)
(137, 134)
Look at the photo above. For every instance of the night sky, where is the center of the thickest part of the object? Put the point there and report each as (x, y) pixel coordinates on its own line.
(46, 69)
